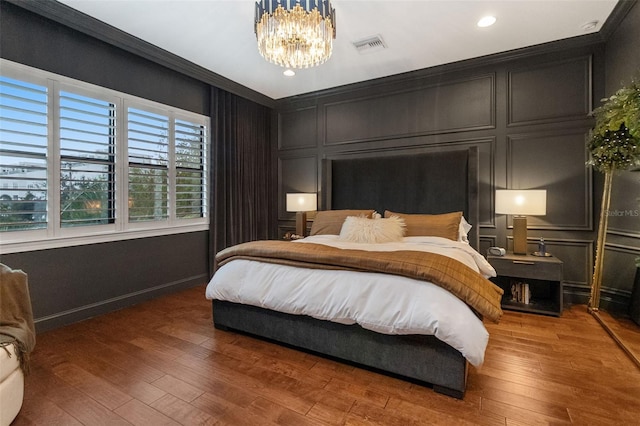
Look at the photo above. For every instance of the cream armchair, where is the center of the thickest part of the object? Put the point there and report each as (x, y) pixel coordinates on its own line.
(17, 339)
(11, 385)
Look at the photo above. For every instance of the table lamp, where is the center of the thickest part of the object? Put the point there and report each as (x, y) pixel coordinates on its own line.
(301, 203)
(532, 202)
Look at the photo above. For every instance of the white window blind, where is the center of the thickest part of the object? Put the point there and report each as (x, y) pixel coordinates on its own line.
(23, 155)
(148, 136)
(190, 148)
(87, 160)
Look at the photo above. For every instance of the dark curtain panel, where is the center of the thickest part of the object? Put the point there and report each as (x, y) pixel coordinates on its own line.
(243, 190)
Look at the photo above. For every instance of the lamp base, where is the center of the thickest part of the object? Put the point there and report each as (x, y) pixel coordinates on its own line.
(301, 223)
(519, 235)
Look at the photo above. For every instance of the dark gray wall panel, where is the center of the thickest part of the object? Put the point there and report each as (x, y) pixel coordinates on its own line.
(462, 105)
(618, 276)
(73, 283)
(619, 265)
(559, 90)
(577, 256)
(298, 129)
(555, 162)
(624, 211)
(299, 174)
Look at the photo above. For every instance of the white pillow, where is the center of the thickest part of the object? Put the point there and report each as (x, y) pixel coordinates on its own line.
(463, 230)
(371, 231)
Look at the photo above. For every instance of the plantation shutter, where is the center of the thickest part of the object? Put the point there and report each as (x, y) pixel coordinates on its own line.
(23, 155)
(87, 160)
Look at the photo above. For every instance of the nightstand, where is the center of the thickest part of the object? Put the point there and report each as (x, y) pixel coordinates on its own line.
(543, 275)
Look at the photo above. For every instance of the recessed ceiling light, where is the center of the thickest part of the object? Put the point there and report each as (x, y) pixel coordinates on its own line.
(289, 73)
(487, 21)
(590, 26)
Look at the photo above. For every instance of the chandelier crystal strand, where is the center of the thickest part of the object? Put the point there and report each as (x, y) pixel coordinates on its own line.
(295, 34)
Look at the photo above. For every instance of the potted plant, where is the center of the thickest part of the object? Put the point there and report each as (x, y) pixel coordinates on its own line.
(614, 145)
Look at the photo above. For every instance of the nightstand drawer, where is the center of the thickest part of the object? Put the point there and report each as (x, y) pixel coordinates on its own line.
(541, 269)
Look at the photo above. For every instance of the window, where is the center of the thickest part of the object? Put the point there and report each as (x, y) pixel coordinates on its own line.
(190, 168)
(148, 135)
(23, 155)
(87, 160)
(82, 164)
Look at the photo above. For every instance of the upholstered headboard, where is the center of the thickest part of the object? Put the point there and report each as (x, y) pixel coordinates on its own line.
(431, 183)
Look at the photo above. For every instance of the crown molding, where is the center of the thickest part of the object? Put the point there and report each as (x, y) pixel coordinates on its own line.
(616, 17)
(69, 17)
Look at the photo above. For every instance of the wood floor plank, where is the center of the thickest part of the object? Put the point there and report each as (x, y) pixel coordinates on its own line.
(279, 414)
(140, 414)
(518, 414)
(168, 365)
(357, 391)
(178, 388)
(182, 412)
(98, 389)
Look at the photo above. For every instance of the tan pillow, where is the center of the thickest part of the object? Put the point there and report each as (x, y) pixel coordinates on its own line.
(330, 221)
(431, 225)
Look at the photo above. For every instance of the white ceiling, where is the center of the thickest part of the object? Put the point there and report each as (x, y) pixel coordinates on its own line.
(218, 34)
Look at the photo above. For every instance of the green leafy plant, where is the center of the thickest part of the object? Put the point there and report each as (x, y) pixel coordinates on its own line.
(614, 142)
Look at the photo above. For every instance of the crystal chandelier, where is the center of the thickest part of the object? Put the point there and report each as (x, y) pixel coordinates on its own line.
(295, 33)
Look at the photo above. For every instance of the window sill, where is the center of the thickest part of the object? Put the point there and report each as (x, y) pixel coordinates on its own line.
(20, 246)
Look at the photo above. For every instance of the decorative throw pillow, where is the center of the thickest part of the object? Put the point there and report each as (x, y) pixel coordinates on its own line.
(371, 231)
(463, 230)
(445, 225)
(330, 221)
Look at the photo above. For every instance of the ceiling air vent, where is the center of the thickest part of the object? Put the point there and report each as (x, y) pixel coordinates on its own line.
(370, 44)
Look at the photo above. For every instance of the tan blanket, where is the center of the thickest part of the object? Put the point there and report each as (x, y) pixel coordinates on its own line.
(16, 316)
(465, 283)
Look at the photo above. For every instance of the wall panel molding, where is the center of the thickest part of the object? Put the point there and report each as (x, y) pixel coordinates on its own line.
(298, 129)
(295, 174)
(454, 106)
(550, 92)
(624, 211)
(555, 162)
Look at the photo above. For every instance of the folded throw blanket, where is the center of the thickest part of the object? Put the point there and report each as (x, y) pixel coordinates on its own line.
(469, 286)
(16, 315)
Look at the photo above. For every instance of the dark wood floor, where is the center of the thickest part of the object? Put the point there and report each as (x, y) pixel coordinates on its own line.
(162, 362)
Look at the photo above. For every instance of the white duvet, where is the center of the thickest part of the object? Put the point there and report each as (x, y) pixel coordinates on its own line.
(382, 303)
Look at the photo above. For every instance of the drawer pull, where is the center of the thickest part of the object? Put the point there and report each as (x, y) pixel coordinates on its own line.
(523, 262)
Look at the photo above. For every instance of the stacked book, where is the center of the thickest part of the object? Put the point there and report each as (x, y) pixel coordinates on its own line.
(520, 292)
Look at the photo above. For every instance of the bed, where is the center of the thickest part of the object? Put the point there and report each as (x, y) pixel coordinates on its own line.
(355, 333)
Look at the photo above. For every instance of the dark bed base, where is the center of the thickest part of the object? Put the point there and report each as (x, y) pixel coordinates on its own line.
(419, 358)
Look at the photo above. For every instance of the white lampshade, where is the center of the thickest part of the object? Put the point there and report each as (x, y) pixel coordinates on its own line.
(301, 202)
(530, 202)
